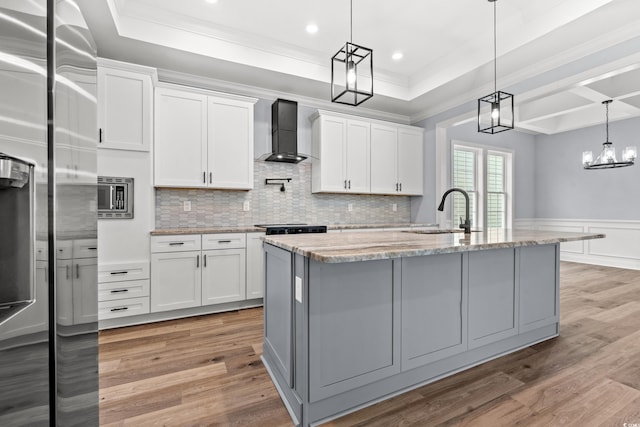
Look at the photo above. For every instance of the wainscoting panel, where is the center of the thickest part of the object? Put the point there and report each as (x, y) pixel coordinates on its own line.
(621, 247)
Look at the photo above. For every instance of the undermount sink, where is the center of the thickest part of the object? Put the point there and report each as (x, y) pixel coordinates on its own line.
(440, 231)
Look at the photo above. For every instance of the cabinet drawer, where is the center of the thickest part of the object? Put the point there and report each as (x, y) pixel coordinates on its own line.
(85, 248)
(224, 241)
(178, 243)
(64, 249)
(123, 308)
(41, 250)
(123, 290)
(123, 272)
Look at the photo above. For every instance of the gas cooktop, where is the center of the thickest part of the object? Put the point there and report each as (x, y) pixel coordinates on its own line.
(292, 228)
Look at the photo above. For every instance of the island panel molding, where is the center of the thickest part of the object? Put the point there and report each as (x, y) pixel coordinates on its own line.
(350, 325)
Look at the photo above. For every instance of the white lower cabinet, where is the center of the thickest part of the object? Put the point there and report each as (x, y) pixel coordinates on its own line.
(223, 276)
(255, 266)
(197, 270)
(123, 289)
(77, 269)
(175, 280)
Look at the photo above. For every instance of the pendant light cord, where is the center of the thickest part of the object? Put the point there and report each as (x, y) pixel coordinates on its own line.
(607, 122)
(495, 50)
(351, 22)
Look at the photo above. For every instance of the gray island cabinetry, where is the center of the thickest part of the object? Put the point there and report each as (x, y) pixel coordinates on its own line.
(355, 318)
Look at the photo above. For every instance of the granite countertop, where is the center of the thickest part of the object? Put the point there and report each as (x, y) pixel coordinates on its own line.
(252, 229)
(207, 230)
(365, 246)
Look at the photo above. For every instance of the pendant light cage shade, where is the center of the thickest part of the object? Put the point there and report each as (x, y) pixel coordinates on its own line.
(495, 112)
(607, 158)
(352, 74)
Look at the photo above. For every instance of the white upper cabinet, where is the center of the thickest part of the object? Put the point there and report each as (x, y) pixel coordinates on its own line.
(384, 158)
(230, 137)
(341, 155)
(202, 140)
(180, 145)
(410, 161)
(396, 160)
(125, 105)
(366, 156)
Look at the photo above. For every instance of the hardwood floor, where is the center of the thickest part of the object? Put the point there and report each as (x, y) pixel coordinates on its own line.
(206, 371)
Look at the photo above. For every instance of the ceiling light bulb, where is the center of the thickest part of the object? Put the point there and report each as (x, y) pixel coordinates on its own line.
(587, 157)
(495, 111)
(351, 74)
(397, 56)
(312, 28)
(630, 154)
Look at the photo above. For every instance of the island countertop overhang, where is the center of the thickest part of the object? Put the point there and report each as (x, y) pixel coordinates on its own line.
(375, 245)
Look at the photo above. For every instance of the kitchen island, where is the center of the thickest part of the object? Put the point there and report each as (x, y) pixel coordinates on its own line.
(355, 318)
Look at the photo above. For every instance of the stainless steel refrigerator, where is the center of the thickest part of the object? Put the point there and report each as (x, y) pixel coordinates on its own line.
(48, 250)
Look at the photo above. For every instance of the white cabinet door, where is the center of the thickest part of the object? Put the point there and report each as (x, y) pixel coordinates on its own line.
(255, 266)
(124, 109)
(384, 159)
(410, 162)
(223, 276)
(175, 280)
(358, 157)
(64, 292)
(330, 162)
(230, 136)
(85, 290)
(180, 148)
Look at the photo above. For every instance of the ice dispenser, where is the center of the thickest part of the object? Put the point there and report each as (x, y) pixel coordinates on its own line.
(17, 272)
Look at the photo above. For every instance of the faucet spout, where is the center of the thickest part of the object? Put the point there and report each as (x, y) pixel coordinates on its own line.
(466, 225)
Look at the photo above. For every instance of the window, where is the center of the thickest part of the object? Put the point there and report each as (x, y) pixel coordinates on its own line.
(484, 173)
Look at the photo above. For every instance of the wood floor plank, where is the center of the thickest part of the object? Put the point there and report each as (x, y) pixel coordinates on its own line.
(206, 371)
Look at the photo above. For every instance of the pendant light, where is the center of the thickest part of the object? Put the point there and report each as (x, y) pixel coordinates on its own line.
(352, 72)
(607, 158)
(495, 111)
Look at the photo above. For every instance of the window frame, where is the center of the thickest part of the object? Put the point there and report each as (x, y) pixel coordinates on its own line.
(482, 153)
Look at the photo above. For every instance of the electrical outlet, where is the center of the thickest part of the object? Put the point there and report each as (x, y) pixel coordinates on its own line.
(394, 207)
(246, 206)
(186, 206)
(349, 207)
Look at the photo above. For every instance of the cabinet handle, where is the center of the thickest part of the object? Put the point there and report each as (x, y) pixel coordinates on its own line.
(119, 291)
(396, 186)
(77, 271)
(205, 260)
(197, 261)
(349, 184)
(210, 177)
(100, 135)
(113, 273)
(345, 184)
(176, 243)
(120, 309)
(204, 177)
(92, 249)
(400, 186)
(67, 272)
(224, 241)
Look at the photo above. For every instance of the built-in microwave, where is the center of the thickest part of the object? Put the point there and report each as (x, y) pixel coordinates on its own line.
(115, 197)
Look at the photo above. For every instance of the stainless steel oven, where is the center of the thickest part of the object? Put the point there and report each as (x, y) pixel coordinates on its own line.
(115, 197)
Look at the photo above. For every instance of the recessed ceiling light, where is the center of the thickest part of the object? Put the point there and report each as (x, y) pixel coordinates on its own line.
(312, 28)
(397, 56)
(211, 1)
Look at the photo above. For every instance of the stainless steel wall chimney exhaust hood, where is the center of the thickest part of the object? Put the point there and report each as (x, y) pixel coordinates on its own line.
(284, 132)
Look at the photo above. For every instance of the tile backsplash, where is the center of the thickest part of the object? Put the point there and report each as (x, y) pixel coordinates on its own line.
(269, 205)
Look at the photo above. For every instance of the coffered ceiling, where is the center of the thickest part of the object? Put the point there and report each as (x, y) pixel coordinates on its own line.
(447, 49)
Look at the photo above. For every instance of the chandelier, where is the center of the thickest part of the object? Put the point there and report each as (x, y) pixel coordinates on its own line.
(607, 158)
